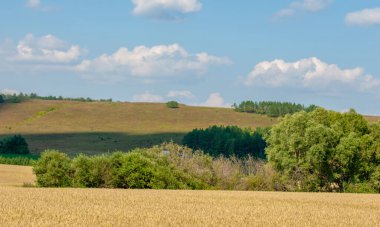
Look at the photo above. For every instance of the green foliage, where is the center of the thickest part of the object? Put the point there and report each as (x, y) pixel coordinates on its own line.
(14, 98)
(168, 166)
(17, 98)
(172, 104)
(325, 150)
(273, 109)
(92, 172)
(53, 169)
(21, 160)
(227, 141)
(14, 145)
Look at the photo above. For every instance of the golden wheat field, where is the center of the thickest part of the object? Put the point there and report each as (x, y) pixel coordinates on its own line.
(20, 206)
(106, 207)
(16, 175)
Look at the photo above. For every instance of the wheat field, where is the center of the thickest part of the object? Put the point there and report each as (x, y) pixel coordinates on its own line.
(11, 175)
(21, 206)
(107, 207)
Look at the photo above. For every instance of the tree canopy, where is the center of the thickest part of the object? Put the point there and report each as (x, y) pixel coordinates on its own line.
(273, 109)
(227, 141)
(327, 151)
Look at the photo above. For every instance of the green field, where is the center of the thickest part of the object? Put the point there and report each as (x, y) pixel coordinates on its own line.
(99, 127)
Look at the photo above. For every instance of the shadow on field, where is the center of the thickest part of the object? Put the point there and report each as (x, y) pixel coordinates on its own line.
(96, 142)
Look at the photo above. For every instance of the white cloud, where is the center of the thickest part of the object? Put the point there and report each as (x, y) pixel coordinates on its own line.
(165, 9)
(181, 94)
(147, 97)
(39, 54)
(215, 100)
(33, 3)
(303, 6)
(364, 17)
(8, 91)
(313, 74)
(46, 49)
(142, 61)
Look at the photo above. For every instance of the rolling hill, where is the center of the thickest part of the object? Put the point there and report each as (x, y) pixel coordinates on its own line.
(98, 127)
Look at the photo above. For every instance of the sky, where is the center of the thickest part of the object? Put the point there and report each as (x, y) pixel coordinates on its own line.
(197, 52)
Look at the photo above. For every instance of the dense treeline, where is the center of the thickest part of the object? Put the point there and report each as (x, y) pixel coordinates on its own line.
(273, 109)
(17, 98)
(168, 166)
(228, 141)
(327, 151)
(14, 145)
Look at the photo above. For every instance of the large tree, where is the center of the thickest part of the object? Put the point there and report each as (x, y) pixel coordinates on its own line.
(325, 150)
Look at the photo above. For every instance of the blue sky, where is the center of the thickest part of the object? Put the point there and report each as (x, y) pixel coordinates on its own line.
(198, 52)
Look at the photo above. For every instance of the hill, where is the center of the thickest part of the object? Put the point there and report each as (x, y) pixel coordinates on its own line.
(98, 127)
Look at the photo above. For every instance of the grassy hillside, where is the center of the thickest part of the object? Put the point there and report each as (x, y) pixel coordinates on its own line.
(100, 126)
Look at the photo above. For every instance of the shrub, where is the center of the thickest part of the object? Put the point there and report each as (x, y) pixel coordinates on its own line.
(92, 172)
(172, 104)
(168, 166)
(53, 169)
(360, 188)
(14, 145)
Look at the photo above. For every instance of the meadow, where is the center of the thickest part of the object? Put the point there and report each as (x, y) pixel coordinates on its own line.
(90, 207)
(98, 127)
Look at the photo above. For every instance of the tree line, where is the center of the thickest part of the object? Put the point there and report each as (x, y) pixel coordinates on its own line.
(273, 109)
(228, 141)
(17, 98)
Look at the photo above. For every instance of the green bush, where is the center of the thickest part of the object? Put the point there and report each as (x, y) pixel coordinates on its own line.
(360, 188)
(168, 166)
(92, 172)
(14, 145)
(172, 104)
(53, 169)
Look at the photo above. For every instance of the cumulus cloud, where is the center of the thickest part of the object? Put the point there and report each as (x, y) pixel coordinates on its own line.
(165, 9)
(147, 97)
(215, 100)
(303, 6)
(181, 94)
(313, 74)
(33, 3)
(46, 53)
(142, 61)
(46, 49)
(364, 17)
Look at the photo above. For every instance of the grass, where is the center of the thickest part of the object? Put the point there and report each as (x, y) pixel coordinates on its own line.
(98, 127)
(16, 159)
(93, 207)
(12, 175)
